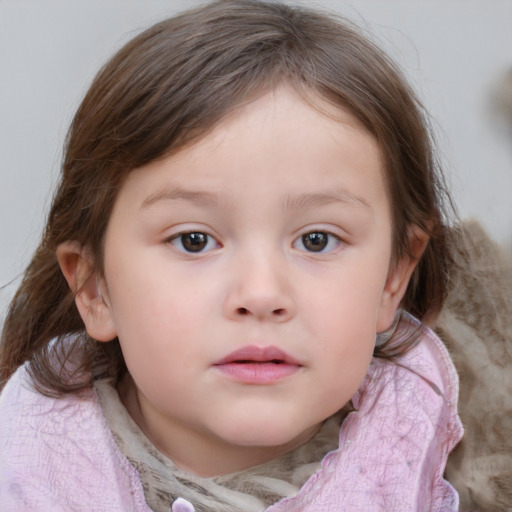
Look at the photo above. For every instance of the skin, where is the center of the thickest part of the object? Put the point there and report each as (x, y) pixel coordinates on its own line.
(271, 178)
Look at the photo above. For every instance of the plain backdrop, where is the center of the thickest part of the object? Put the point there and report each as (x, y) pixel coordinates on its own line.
(455, 52)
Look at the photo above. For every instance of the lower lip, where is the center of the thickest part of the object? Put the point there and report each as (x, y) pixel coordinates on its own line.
(257, 373)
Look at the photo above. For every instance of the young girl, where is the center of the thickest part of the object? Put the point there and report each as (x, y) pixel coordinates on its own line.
(224, 312)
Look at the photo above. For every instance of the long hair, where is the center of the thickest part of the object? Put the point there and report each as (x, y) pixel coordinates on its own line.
(169, 87)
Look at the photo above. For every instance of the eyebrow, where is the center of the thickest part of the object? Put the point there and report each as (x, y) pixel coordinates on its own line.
(291, 202)
(203, 198)
(325, 198)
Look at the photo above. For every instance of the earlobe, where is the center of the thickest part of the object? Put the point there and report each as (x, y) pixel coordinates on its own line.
(399, 276)
(91, 299)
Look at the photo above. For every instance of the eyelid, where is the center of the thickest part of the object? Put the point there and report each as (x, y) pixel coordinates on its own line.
(182, 228)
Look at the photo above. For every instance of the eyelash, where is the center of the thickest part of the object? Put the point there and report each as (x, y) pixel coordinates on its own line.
(321, 240)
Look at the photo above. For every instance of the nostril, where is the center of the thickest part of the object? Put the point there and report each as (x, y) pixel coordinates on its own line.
(276, 313)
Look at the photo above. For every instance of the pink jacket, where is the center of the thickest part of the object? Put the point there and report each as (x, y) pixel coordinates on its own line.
(59, 455)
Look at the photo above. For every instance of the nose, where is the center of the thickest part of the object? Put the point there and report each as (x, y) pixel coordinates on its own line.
(260, 288)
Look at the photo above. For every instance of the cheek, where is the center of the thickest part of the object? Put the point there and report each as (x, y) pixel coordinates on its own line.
(159, 316)
(343, 323)
(347, 352)
(344, 366)
(348, 306)
(144, 296)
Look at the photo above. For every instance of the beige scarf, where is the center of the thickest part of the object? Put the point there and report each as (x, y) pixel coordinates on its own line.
(252, 490)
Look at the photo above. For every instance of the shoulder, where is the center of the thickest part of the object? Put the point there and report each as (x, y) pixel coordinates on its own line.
(426, 371)
(57, 453)
(407, 413)
(25, 410)
(421, 388)
(428, 366)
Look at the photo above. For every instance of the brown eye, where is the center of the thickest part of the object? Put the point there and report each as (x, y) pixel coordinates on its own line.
(315, 242)
(194, 242)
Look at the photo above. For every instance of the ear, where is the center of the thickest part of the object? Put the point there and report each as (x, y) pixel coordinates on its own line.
(398, 278)
(91, 298)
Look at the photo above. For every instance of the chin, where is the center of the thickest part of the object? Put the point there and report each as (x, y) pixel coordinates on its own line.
(269, 434)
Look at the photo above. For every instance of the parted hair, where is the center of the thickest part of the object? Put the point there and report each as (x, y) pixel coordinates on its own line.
(166, 89)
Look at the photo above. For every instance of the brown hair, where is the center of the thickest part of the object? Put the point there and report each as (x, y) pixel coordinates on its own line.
(168, 87)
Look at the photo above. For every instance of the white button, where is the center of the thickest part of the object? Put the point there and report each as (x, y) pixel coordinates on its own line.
(181, 505)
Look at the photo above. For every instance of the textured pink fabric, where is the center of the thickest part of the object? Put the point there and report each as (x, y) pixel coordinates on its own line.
(59, 455)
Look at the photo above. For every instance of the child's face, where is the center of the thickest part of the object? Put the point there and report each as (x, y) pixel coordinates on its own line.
(246, 277)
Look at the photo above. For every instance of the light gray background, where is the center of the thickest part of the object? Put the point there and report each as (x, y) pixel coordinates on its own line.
(454, 52)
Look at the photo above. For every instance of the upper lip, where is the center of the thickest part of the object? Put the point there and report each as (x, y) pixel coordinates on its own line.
(256, 354)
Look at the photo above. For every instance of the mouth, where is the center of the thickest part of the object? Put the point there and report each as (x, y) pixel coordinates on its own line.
(253, 354)
(255, 365)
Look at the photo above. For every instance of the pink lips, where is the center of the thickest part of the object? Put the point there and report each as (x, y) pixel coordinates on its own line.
(255, 365)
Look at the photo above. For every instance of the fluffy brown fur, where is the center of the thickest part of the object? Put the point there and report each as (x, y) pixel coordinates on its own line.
(476, 325)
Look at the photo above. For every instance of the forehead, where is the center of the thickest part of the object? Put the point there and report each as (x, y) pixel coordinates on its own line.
(277, 140)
